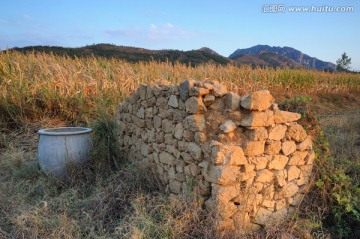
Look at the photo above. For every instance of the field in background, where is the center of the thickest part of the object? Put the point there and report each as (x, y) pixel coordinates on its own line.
(38, 90)
(41, 86)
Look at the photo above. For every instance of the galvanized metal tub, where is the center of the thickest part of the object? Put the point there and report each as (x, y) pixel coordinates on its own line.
(59, 147)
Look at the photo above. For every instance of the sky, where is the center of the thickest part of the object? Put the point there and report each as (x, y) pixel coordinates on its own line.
(222, 25)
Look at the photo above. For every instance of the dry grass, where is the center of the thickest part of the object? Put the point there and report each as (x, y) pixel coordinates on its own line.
(342, 131)
(54, 91)
(35, 87)
(123, 204)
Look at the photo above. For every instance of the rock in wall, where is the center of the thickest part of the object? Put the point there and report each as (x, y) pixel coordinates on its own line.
(250, 161)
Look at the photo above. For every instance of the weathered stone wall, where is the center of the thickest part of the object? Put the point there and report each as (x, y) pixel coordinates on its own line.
(250, 161)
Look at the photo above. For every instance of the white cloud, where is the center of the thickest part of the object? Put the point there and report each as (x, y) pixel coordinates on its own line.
(154, 32)
(168, 31)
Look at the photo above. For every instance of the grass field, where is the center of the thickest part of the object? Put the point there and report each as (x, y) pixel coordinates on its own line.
(39, 90)
(40, 86)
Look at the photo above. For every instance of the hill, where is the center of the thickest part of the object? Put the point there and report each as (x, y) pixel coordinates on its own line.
(133, 54)
(266, 58)
(288, 52)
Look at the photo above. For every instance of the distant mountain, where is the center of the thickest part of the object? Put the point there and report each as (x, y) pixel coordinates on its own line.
(209, 51)
(266, 58)
(134, 54)
(287, 52)
(260, 55)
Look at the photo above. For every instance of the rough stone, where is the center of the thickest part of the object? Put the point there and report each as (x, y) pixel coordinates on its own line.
(188, 135)
(298, 158)
(142, 91)
(162, 102)
(141, 113)
(277, 132)
(277, 217)
(259, 100)
(194, 150)
(280, 177)
(293, 172)
(232, 101)
(264, 176)
(175, 186)
(182, 145)
(305, 145)
(280, 204)
(290, 190)
(224, 193)
(228, 155)
(149, 113)
(163, 83)
(282, 117)
(138, 122)
(302, 180)
(254, 148)
(167, 126)
(288, 147)
(258, 119)
(199, 137)
(278, 162)
(178, 131)
(171, 173)
(149, 92)
(184, 89)
(198, 91)
(167, 158)
(180, 177)
(258, 134)
(268, 203)
(218, 105)
(297, 199)
(262, 216)
(273, 147)
(157, 90)
(260, 162)
(169, 139)
(235, 116)
(173, 101)
(297, 133)
(194, 123)
(173, 150)
(306, 170)
(192, 170)
(186, 157)
(219, 90)
(159, 137)
(208, 100)
(223, 175)
(228, 126)
(310, 158)
(195, 105)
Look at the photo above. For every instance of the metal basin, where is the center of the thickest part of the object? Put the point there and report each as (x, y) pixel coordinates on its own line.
(59, 147)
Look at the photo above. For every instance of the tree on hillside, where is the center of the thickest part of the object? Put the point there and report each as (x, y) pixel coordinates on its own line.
(343, 63)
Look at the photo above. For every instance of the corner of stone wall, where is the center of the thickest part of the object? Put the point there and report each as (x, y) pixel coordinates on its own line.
(259, 178)
(250, 161)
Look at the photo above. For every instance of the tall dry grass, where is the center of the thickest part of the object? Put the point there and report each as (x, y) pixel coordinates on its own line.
(37, 86)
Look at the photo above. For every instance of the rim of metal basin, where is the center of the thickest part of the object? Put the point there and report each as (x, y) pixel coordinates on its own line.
(64, 131)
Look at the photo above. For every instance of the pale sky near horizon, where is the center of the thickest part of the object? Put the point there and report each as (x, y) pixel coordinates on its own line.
(223, 26)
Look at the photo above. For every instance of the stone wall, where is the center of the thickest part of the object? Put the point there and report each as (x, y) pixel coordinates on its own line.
(250, 161)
